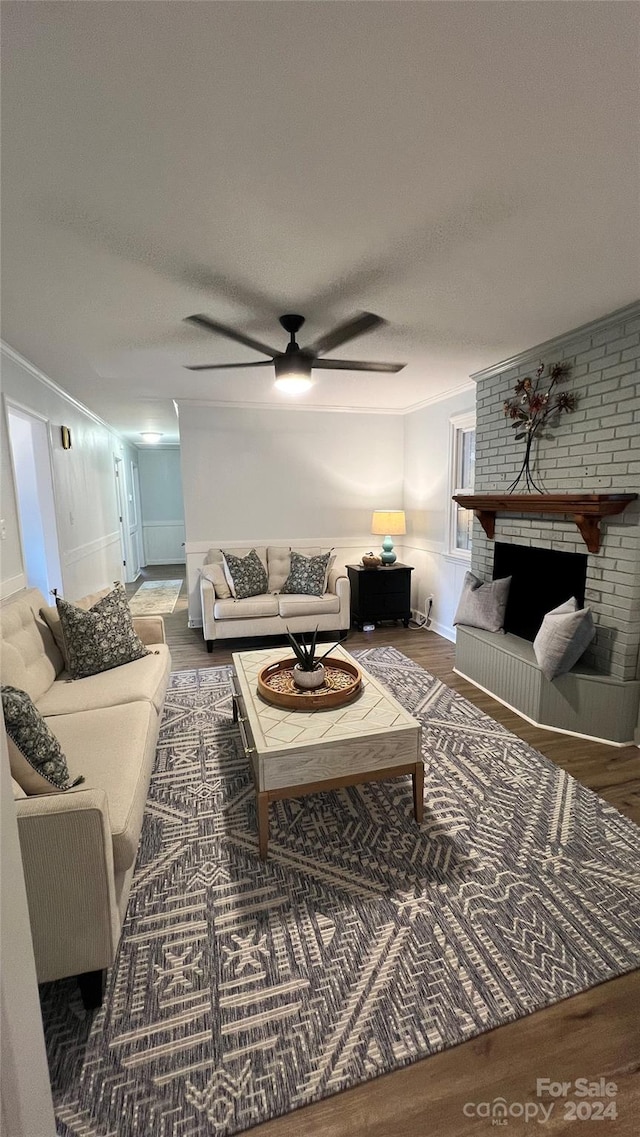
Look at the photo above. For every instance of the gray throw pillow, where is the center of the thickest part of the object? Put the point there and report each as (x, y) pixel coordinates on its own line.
(248, 575)
(307, 575)
(565, 634)
(482, 605)
(101, 637)
(35, 755)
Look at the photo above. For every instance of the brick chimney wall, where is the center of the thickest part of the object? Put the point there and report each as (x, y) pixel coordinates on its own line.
(595, 448)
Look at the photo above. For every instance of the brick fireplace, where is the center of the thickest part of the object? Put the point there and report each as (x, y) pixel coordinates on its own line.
(595, 449)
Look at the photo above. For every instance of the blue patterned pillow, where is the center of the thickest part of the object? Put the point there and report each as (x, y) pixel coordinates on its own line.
(248, 575)
(307, 574)
(35, 755)
(101, 637)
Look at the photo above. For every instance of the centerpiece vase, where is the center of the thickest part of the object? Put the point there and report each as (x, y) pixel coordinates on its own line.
(308, 680)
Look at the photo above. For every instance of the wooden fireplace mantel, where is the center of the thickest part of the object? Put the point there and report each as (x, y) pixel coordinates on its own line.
(587, 509)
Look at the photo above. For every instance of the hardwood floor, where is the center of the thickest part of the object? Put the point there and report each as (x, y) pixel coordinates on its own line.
(590, 1035)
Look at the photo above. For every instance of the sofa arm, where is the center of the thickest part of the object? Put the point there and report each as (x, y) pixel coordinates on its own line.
(339, 584)
(150, 629)
(67, 855)
(335, 575)
(208, 599)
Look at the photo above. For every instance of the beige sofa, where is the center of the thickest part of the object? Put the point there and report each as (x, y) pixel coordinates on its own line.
(79, 847)
(273, 613)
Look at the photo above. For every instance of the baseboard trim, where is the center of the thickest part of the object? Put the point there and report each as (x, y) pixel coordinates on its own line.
(542, 725)
(444, 631)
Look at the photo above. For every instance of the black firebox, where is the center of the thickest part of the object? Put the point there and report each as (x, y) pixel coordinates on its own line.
(542, 579)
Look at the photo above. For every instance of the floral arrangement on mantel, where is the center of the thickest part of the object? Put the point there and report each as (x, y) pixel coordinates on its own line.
(535, 404)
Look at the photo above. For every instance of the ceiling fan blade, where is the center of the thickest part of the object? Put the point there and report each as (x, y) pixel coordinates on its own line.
(353, 365)
(357, 326)
(226, 366)
(230, 333)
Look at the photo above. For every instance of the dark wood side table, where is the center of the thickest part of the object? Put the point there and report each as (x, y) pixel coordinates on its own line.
(380, 593)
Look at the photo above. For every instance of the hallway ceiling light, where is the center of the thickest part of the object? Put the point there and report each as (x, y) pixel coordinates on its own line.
(152, 436)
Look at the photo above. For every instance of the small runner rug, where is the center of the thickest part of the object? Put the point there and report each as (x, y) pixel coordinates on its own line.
(156, 597)
(244, 990)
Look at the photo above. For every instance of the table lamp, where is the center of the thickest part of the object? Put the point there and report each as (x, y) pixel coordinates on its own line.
(388, 523)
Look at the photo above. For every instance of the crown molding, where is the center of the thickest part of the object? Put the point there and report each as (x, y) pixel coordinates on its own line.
(468, 385)
(314, 408)
(11, 353)
(559, 341)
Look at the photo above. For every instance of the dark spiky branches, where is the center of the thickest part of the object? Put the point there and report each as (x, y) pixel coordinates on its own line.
(531, 408)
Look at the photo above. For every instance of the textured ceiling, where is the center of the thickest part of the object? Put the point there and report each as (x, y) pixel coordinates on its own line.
(469, 171)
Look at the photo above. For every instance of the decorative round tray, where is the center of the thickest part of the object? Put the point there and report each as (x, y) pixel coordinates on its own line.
(342, 683)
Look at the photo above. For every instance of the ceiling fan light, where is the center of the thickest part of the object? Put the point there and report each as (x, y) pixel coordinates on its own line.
(293, 375)
(293, 384)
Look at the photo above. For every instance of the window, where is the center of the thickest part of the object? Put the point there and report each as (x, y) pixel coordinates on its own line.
(462, 460)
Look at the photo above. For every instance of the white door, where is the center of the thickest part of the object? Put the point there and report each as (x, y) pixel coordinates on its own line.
(33, 479)
(122, 518)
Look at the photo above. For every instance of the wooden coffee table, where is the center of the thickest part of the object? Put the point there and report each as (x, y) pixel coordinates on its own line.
(293, 753)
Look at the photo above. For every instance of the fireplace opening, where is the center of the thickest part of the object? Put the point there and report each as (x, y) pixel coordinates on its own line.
(542, 579)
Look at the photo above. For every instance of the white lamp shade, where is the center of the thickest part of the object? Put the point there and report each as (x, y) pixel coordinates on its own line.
(388, 522)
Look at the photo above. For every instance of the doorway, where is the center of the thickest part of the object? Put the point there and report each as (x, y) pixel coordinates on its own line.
(123, 523)
(33, 479)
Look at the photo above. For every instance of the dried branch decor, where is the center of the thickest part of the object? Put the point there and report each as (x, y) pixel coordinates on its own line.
(531, 408)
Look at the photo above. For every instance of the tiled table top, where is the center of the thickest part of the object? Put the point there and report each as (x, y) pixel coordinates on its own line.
(374, 711)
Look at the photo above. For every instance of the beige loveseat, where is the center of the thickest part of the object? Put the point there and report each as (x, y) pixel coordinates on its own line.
(79, 847)
(273, 613)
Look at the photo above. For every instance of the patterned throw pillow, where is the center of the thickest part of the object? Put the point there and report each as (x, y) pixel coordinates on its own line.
(247, 574)
(102, 637)
(307, 576)
(36, 759)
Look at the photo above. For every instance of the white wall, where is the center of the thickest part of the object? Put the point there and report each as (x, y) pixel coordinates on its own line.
(162, 505)
(11, 567)
(84, 486)
(287, 476)
(426, 474)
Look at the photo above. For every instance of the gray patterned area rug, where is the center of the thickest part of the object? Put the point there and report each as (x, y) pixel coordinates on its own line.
(244, 990)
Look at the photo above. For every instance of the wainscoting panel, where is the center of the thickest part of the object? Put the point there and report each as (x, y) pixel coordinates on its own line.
(163, 542)
(92, 566)
(12, 585)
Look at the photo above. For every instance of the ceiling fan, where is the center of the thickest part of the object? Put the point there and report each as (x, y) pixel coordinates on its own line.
(293, 366)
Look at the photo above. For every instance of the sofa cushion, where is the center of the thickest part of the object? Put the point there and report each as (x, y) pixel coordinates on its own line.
(101, 637)
(249, 609)
(483, 605)
(144, 679)
(36, 758)
(246, 576)
(215, 556)
(279, 562)
(302, 605)
(114, 747)
(565, 634)
(30, 659)
(308, 574)
(215, 575)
